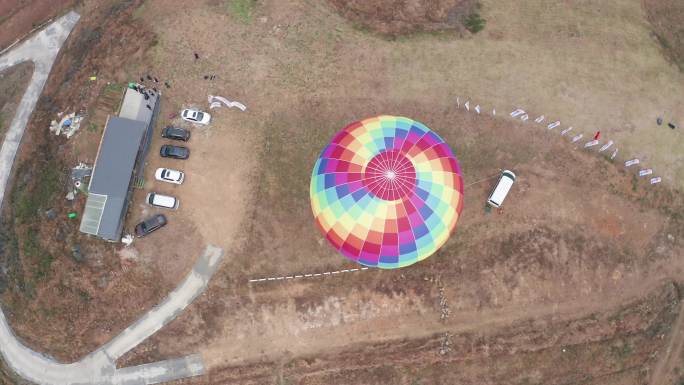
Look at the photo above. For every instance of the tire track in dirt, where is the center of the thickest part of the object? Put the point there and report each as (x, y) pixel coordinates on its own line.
(665, 369)
(346, 336)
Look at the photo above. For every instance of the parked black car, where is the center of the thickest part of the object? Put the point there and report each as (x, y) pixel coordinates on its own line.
(149, 225)
(178, 152)
(176, 133)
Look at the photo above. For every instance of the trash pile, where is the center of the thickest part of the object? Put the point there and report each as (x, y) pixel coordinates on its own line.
(445, 344)
(78, 175)
(220, 101)
(67, 126)
(127, 239)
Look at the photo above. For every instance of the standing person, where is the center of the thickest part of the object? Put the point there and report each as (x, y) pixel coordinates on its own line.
(597, 135)
(196, 56)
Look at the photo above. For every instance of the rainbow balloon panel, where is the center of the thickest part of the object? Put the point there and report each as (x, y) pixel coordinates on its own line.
(387, 191)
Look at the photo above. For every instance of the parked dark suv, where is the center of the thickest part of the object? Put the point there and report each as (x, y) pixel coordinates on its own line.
(176, 133)
(177, 152)
(149, 225)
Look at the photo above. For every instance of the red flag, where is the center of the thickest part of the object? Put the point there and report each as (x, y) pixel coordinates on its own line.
(597, 135)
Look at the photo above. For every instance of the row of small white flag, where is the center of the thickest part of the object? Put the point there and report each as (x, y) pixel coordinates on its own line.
(522, 115)
(643, 171)
(466, 105)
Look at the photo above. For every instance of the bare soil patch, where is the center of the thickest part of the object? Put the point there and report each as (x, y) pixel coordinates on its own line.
(13, 82)
(667, 20)
(396, 17)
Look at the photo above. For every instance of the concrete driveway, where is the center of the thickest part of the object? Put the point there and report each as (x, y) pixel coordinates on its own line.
(98, 367)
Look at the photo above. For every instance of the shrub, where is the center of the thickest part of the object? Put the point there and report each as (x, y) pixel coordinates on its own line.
(474, 23)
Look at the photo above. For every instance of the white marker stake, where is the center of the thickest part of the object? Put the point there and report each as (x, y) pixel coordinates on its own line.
(477, 108)
(467, 105)
(577, 137)
(517, 113)
(614, 154)
(458, 103)
(553, 125)
(539, 119)
(566, 130)
(524, 118)
(591, 143)
(631, 162)
(646, 171)
(494, 111)
(655, 180)
(606, 146)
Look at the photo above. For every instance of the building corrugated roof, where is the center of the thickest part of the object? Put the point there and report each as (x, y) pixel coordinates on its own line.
(112, 176)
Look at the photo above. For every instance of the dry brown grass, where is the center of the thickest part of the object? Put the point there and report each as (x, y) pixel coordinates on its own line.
(394, 17)
(13, 82)
(574, 233)
(667, 19)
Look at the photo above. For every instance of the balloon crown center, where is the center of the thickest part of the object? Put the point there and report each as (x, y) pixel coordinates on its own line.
(390, 174)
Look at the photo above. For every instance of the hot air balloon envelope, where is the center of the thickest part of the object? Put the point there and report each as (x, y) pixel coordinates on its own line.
(387, 191)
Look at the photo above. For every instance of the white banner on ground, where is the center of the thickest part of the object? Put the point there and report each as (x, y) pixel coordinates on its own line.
(656, 180)
(553, 125)
(606, 146)
(566, 130)
(517, 113)
(467, 105)
(524, 118)
(477, 108)
(591, 143)
(631, 162)
(614, 154)
(577, 137)
(646, 171)
(539, 119)
(228, 103)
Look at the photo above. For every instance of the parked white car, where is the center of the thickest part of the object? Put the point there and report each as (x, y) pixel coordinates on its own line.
(169, 175)
(163, 201)
(195, 116)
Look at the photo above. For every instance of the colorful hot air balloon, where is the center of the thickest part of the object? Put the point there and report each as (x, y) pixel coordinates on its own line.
(387, 191)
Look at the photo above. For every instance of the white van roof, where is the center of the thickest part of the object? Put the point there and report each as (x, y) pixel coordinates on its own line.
(502, 188)
(164, 200)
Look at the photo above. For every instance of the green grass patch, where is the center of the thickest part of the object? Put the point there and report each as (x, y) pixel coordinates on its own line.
(622, 351)
(34, 250)
(27, 200)
(242, 10)
(113, 88)
(138, 13)
(475, 23)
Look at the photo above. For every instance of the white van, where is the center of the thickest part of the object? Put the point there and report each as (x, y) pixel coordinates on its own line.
(504, 184)
(164, 201)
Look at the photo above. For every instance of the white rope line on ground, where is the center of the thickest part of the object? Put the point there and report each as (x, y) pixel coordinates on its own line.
(310, 275)
(483, 180)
